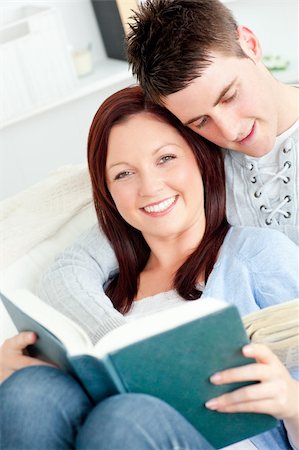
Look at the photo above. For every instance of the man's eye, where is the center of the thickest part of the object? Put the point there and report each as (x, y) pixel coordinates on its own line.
(122, 175)
(166, 158)
(231, 98)
(202, 123)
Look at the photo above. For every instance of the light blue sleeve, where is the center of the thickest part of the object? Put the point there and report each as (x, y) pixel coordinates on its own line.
(277, 279)
(256, 268)
(275, 268)
(73, 284)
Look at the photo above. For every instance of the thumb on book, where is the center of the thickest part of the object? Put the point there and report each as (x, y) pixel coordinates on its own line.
(21, 340)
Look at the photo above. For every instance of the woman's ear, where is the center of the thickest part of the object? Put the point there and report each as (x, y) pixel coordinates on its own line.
(249, 43)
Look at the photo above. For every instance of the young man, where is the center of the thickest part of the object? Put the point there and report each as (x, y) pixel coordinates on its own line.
(192, 57)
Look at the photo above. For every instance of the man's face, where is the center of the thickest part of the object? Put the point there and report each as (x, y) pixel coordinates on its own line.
(232, 104)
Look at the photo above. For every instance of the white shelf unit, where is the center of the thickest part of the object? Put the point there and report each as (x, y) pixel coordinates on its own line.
(45, 140)
(105, 74)
(37, 67)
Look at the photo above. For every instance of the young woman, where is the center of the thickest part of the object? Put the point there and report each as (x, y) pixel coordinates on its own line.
(159, 194)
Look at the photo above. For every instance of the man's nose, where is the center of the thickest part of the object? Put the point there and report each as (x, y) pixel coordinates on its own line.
(228, 126)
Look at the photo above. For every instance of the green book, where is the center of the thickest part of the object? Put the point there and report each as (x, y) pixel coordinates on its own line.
(170, 355)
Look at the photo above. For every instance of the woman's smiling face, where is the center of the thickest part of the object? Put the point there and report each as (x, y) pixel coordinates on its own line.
(153, 177)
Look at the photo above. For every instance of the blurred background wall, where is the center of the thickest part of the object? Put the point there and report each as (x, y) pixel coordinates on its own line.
(55, 72)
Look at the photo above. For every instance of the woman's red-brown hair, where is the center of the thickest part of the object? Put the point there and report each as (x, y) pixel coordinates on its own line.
(131, 249)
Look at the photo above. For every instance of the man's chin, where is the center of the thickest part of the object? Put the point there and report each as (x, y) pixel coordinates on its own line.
(256, 150)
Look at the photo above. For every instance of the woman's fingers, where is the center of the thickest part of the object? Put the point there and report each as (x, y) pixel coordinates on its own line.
(273, 393)
(237, 400)
(250, 372)
(12, 357)
(257, 398)
(20, 341)
(265, 406)
(260, 352)
(262, 370)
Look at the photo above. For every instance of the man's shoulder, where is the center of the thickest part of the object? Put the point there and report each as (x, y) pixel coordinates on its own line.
(91, 245)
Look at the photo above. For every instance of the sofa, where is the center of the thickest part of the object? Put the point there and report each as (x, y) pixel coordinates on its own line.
(36, 225)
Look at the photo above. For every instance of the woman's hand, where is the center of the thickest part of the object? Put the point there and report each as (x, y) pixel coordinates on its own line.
(275, 394)
(12, 357)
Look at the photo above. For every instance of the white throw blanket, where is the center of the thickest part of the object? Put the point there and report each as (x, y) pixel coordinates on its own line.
(33, 215)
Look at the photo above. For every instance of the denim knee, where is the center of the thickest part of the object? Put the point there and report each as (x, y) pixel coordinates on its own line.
(42, 407)
(138, 422)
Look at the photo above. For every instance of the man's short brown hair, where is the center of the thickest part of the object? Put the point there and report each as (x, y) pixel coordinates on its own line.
(171, 41)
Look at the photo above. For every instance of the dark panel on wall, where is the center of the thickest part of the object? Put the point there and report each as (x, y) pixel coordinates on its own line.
(111, 28)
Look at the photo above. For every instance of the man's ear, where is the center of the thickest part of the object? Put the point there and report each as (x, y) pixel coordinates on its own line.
(249, 43)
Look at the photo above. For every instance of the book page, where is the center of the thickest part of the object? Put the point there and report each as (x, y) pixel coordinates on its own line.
(156, 323)
(275, 312)
(278, 328)
(288, 354)
(67, 331)
(77, 341)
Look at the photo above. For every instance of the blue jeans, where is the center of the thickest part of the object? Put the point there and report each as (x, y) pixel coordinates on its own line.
(42, 408)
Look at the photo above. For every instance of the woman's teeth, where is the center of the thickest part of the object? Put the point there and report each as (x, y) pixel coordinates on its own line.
(160, 207)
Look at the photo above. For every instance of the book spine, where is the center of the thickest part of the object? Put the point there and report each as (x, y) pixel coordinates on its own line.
(114, 375)
(97, 376)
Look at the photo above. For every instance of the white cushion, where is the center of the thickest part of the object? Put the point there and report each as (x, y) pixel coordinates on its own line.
(26, 271)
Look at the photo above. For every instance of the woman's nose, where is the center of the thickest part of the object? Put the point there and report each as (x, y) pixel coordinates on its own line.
(150, 184)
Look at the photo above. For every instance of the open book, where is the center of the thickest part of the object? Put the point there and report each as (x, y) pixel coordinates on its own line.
(170, 355)
(278, 328)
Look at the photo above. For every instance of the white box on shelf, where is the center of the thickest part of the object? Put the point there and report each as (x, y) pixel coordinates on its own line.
(37, 67)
